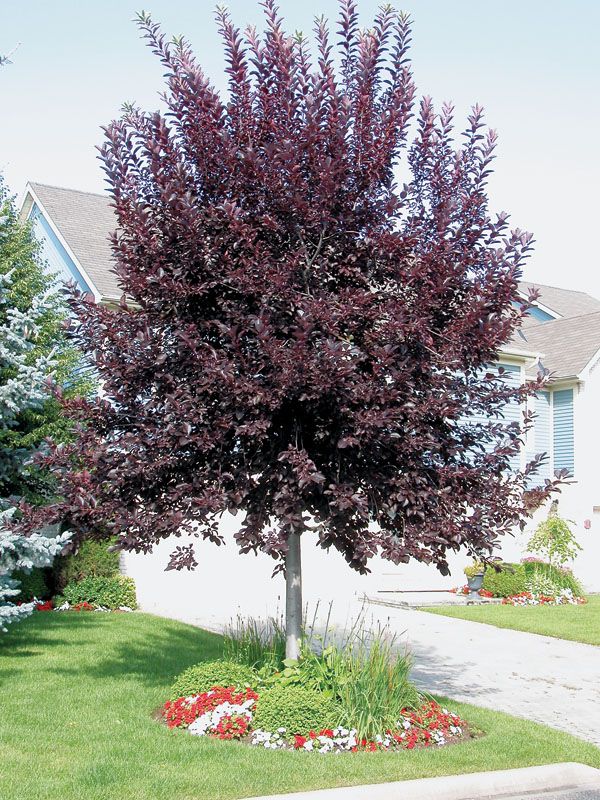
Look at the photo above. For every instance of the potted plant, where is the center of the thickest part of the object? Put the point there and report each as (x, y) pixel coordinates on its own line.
(475, 573)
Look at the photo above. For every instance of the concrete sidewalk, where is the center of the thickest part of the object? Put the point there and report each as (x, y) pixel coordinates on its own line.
(534, 782)
(552, 681)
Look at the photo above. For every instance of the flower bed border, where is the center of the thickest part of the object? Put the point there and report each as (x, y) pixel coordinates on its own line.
(226, 713)
(48, 605)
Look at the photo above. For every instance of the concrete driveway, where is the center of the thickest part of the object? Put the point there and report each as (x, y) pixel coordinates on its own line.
(552, 681)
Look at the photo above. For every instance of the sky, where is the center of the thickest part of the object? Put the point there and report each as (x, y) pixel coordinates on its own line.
(534, 65)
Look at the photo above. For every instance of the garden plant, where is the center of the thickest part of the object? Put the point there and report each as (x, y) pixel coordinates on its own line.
(344, 695)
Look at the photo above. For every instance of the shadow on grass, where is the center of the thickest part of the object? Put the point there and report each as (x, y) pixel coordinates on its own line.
(150, 649)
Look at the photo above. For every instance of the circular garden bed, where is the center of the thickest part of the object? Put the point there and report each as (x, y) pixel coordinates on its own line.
(285, 709)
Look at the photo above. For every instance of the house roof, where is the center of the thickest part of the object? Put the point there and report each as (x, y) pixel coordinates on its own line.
(565, 302)
(85, 222)
(567, 345)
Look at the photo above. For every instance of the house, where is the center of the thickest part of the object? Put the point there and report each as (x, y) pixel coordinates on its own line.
(562, 331)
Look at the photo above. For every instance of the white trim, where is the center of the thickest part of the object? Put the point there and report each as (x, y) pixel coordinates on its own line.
(30, 191)
(522, 355)
(585, 372)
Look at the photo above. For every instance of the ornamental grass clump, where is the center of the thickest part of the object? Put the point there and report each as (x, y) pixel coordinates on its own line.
(549, 579)
(362, 672)
(255, 643)
(375, 688)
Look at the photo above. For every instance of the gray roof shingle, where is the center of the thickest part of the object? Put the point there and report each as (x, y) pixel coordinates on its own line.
(567, 345)
(85, 222)
(565, 302)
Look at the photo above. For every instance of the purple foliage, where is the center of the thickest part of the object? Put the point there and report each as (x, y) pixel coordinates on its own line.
(304, 339)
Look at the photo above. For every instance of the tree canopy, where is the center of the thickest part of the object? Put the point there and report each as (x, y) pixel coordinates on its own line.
(315, 290)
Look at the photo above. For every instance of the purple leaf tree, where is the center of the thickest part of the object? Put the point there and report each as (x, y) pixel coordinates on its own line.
(306, 339)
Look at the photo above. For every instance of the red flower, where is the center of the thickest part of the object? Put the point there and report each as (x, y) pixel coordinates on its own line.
(233, 727)
(183, 711)
(84, 606)
(299, 742)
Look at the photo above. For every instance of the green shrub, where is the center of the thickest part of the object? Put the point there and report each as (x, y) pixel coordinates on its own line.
(93, 559)
(512, 579)
(33, 584)
(295, 708)
(109, 592)
(202, 677)
(548, 579)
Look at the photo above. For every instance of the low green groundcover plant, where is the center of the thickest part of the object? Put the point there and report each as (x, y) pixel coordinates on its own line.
(203, 677)
(110, 593)
(298, 709)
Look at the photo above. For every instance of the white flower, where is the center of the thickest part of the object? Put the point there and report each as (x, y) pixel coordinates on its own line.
(208, 722)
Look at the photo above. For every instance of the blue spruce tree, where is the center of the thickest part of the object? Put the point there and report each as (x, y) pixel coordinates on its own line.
(31, 352)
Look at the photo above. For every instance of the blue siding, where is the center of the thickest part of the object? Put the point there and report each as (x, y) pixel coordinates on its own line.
(57, 261)
(564, 444)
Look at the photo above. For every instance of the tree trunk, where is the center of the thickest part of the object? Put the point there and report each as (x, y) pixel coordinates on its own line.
(293, 597)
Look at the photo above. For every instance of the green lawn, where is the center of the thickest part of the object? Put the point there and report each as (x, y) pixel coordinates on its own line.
(577, 623)
(77, 692)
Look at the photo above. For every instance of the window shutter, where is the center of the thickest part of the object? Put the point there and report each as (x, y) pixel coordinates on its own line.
(512, 411)
(542, 434)
(564, 444)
